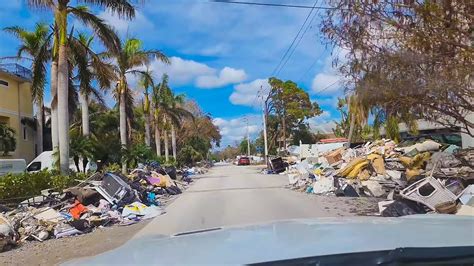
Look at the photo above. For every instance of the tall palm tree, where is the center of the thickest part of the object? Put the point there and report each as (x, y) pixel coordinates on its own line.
(90, 67)
(358, 113)
(168, 110)
(177, 103)
(156, 104)
(128, 58)
(62, 10)
(36, 44)
(145, 83)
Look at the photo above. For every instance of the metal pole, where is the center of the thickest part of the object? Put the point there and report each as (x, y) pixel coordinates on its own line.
(264, 114)
(248, 139)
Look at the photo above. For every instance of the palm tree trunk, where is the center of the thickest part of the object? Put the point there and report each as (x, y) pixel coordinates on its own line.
(157, 140)
(39, 127)
(129, 130)
(165, 139)
(123, 126)
(351, 128)
(173, 141)
(54, 106)
(147, 130)
(63, 110)
(85, 114)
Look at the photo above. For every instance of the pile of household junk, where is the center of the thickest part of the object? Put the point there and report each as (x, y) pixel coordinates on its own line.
(101, 200)
(420, 178)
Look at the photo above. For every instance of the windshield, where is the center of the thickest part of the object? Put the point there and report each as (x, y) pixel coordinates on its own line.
(280, 129)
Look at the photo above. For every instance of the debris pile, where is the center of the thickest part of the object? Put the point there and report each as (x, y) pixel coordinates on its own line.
(423, 177)
(101, 200)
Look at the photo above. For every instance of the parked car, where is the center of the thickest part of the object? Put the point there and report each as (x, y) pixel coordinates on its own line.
(243, 161)
(45, 161)
(13, 166)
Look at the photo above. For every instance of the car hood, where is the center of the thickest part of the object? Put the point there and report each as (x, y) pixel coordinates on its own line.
(292, 239)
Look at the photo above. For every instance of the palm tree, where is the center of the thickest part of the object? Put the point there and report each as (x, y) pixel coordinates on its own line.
(61, 10)
(156, 103)
(90, 67)
(168, 110)
(358, 113)
(177, 103)
(128, 58)
(37, 45)
(145, 83)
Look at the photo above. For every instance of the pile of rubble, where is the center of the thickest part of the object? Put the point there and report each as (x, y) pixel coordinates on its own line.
(423, 177)
(101, 200)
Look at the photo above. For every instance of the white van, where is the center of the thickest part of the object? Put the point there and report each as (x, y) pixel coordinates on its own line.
(13, 166)
(46, 160)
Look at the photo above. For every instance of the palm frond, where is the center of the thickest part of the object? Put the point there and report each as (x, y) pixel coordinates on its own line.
(105, 33)
(17, 31)
(98, 96)
(41, 4)
(39, 71)
(123, 8)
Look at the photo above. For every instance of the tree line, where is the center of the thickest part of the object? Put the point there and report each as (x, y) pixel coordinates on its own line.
(80, 73)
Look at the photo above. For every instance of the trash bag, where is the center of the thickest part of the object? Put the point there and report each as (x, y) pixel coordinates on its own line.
(173, 190)
(171, 171)
(403, 207)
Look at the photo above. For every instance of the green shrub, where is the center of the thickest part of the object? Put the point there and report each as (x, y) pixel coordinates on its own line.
(25, 185)
(113, 167)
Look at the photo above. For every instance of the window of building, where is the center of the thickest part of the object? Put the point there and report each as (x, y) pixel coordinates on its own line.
(3, 83)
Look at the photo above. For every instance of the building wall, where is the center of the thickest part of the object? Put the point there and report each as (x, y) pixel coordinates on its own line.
(16, 103)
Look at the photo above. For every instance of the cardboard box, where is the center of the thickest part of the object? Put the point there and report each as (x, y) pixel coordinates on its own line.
(334, 156)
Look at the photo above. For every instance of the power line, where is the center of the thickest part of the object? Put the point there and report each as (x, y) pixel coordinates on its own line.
(272, 4)
(299, 40)
(311, 66)
(328, 86)
(293, 42)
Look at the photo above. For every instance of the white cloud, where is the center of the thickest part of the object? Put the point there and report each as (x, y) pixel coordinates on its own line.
(219, 49)
(138, 25)
(325, 83)
(235, 129)
(246, 93)
(322, 123)
(180, 71)
(226, 76)
(329, 81)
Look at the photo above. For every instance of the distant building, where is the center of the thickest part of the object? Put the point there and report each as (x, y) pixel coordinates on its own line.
(16, 108)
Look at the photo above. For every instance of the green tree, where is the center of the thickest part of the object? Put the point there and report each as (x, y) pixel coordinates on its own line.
(130, 56)
(60, 71)
(291, 104)
(146, 82)
(7, 139)
(36, 44)
(302, 133)
(90, 67)
(169, 113)
(243, 147)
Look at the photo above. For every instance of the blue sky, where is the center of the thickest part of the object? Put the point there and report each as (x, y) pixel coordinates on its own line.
(221, 54)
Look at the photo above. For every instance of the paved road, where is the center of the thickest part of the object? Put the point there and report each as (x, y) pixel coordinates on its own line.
(236, 195)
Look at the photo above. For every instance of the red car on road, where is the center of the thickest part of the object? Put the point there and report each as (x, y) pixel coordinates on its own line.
(243, 161)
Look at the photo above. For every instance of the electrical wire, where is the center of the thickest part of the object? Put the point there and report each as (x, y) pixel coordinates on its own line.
(300, 38)
(293, 42)
(272, 4)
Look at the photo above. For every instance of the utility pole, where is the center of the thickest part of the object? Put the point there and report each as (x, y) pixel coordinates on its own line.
(248, 137)
(264, 115)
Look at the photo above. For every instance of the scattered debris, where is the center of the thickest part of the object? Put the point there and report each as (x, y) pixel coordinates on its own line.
(103, 199)
(424, 177)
